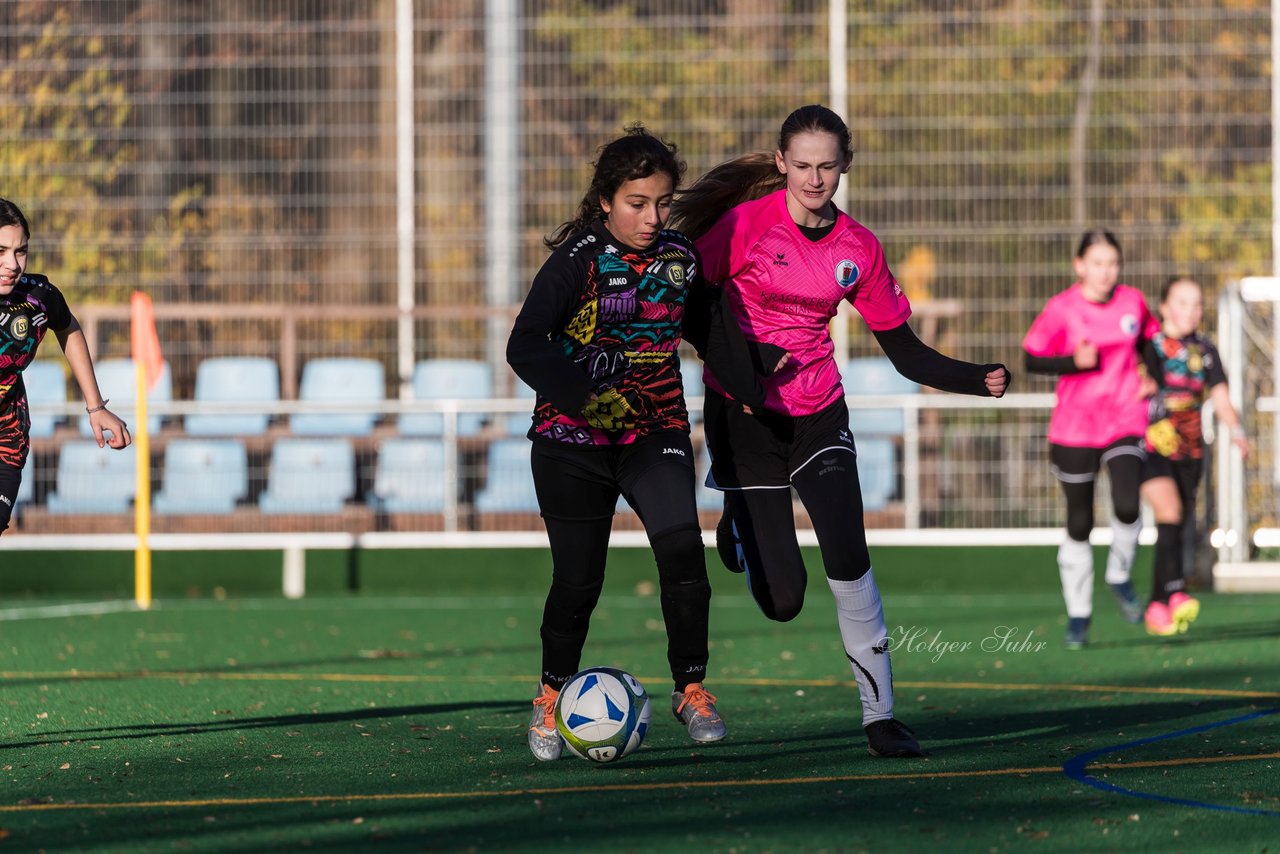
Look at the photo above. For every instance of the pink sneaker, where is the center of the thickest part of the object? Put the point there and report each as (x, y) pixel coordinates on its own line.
(1159, 621)
(1183, 609)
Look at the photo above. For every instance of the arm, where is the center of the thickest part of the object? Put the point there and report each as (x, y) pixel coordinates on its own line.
(1228, 417)
(920, 363)
(714, 332)
(76, 349)
(532, 354)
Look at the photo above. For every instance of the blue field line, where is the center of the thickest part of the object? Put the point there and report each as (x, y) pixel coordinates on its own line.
(1076, 768)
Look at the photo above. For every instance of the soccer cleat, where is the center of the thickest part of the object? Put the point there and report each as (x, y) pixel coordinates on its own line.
(1077, 633)
(728, 546)
(892, 739)
(696, 709)
(1183, 609)
(1159, 621)
(1127, 600)
(544, 739)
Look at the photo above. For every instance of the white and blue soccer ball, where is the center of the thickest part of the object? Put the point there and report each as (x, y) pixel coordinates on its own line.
(602, 714)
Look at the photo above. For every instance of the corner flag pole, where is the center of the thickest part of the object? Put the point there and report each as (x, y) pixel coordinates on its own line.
(148, 364)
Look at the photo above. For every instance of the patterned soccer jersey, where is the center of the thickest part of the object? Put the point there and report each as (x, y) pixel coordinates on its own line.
(617, 314)
(784, 289)
(1095, 407)
(33, 307)
(1185, 369)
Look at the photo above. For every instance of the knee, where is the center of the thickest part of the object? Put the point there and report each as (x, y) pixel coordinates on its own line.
(787, 608)
(1079, 525)
(1127, 509)
(680, 555)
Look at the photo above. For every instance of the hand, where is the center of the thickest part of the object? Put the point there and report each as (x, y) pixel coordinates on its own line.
(1147, 387)
(1241, 441)
(997, 381)
(786, 357)
(1086, 356)
(106, 420)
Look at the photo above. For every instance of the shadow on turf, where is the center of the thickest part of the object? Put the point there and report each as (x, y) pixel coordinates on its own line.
(1256, 630)
(231, 723)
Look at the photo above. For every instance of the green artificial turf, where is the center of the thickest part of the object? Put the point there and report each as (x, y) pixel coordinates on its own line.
(392, 717)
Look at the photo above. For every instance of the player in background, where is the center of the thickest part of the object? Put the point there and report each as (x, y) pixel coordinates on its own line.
(787, 257)
(1184, 368)
(30, 306)
(1090, 335)
(596, 339)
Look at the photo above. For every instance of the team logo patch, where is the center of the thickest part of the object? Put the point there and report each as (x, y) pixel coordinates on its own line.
(20, 328)
(846, 273)
(675, 274)
(1129, 324)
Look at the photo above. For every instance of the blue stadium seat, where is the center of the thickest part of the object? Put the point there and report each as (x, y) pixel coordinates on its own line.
(691, 376)
(876, 375)
(877, 471)
(409, 476)
(203, 476)
(93, 480)
(705, 497)
(27, 489)
(119, 383)
(340, 379)
(508, 487)
(46, 382)
(441, 379)
(309, 476)
(234, 379)
(517, 423)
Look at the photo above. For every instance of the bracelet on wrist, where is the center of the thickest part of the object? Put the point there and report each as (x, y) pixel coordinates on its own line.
(99, 407)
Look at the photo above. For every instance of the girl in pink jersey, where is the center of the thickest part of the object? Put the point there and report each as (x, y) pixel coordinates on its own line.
(787, 257)
(1090, 335)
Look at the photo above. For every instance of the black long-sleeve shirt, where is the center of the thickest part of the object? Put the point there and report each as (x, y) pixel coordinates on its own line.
(604, 319)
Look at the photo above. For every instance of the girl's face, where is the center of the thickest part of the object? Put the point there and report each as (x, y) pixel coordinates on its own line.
(1182, 310)
(813, 164)
(1098, 270)
(639, 209)
(13, 257)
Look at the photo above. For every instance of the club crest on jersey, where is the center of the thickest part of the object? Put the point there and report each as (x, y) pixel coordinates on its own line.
(20, 328)
(846, 273)
(675, 274)
(1129, 324)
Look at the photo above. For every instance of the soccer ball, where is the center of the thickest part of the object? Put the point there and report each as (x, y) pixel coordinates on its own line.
(602, 714)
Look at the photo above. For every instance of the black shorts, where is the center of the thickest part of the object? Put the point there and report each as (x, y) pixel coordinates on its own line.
(579, 484)
(1080, 465)
(1185, 474)
(764, 451)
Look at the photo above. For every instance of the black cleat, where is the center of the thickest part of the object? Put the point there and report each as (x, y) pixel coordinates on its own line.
(892, 739)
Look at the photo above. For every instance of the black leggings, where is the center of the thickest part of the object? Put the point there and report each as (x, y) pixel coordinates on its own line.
(577, 492)
(828, 487)
(1075, 469)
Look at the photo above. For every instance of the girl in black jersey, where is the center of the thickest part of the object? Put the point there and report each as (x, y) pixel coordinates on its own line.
(596, 339)
(29, 307)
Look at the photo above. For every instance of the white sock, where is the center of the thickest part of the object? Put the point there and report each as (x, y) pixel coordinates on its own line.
(1075, 568)
(1124, 545)
(861, 617)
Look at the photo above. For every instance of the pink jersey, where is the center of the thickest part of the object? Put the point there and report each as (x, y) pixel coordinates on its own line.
(785, 288)
(1095, 407)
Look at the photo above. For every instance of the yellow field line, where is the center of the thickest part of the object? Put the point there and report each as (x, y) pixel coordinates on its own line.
(615, 787)
(232, 676)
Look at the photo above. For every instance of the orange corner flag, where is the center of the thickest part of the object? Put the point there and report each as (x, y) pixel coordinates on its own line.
(144, 343)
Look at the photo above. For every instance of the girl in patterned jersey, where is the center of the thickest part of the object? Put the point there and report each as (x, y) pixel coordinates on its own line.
(787, 257)
(1185, 368)
(596, 339)
(30, 306)
(1090, 336)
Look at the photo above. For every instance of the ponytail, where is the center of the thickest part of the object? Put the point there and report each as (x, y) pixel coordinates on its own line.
(726, 186)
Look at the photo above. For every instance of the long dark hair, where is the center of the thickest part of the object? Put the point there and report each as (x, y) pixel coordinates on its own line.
(634, 155)
(1097, 235)
(753, 175)
(11, 214)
